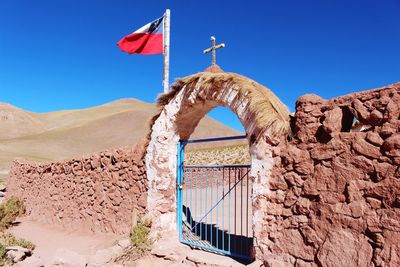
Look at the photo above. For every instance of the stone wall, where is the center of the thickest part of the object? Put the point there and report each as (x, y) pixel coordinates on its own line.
(335, 192)
(100, 193)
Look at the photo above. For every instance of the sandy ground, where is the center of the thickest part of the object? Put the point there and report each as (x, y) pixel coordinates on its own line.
(50, 241)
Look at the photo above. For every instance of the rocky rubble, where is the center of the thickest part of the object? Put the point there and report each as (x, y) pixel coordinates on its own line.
(334, 197)
(17, 253)
(97, 193)
(169, 252)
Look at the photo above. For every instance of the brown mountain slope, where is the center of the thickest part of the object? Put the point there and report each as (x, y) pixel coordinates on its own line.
(15, 122)
(72, 133)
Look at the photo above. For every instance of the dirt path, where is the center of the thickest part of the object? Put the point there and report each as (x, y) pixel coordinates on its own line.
(52, 243)
(60, 247)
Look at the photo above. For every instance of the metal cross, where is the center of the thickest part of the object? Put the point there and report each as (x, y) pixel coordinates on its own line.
(213, 49)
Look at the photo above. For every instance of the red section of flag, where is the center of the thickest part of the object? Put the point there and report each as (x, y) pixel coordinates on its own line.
(142, 43)
(147, 40)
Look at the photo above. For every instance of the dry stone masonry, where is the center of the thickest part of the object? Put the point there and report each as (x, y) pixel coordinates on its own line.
(99, 193)
(335, 192)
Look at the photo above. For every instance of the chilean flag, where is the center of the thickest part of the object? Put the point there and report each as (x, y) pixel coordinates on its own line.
(147, 40)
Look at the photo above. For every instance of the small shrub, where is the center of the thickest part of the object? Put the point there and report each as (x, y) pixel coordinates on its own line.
(9, 211)
(8, 240)
(140, 236)
(2, 254)
(4, 260)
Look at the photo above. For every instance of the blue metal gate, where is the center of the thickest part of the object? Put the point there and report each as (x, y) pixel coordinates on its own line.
(214, 205)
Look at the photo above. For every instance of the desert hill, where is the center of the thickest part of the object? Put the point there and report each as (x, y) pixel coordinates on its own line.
(72, 133)
(15, 122)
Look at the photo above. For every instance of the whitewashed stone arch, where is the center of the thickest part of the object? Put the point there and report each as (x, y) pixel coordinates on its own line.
(190, 100)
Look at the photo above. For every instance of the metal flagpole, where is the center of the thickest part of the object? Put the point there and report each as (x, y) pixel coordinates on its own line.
(166, 49)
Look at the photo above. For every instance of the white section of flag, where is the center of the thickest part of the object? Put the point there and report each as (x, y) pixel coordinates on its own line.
(143, 29)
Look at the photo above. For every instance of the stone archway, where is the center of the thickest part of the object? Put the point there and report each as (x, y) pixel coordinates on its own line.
(262, 115)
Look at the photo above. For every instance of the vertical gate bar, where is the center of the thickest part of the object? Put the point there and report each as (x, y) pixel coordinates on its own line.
(182, 198)
(247, 212)
(195, 198)
(211, 188)
(205, 205)
(191, 203)
(241, 210)
(235, 211)
(186, 202)
(177, 189)
(186, 196)
(229, 211)
(182, 212)
(223, 209)
(181, 188)
(247, 205)
(179, 178)
(177, 182)
(201, 204)
(217, 226)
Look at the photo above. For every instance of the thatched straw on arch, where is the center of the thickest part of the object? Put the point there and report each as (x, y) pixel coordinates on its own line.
(269, 111)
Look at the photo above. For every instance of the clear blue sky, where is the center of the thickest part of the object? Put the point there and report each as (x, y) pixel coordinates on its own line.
(63, 55)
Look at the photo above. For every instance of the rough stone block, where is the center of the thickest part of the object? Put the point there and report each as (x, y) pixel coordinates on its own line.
(376, 117)
(293, 179)
(342, 248)
(374, 138)
(304, 167)
(333, 120)
(293, 243)
(391, 146)
(363, 113)
(366, 149)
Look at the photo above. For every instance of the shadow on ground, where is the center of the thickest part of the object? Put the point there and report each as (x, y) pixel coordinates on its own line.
(211, 237)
